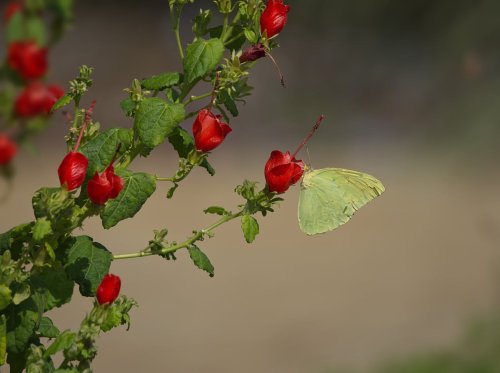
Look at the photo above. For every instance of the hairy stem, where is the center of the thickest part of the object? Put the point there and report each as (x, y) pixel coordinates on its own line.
(174, 247)
(174, 18)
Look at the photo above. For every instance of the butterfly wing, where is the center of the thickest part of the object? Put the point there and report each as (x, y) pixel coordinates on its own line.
(329, 197)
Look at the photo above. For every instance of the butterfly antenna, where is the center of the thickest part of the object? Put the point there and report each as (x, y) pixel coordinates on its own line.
(315, 127)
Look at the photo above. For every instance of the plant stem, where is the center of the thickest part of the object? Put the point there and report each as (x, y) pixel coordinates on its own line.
(225, 34)
(196, 98)
(174, 18)
(174, 247)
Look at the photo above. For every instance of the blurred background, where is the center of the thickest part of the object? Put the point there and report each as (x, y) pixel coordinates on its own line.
(411, 94)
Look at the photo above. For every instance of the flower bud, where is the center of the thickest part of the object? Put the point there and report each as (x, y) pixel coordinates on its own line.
(37, 99)
(109, 289)
(116, 181)
(8, 149)
(72, 170)
(11, 9)
(273, 18)
(282, 170)
(253, 53)
(27, 59)
(99, 188)
(208, 130)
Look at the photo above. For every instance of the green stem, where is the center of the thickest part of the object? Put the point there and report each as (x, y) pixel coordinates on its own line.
(174, 247)
(225, 34)
(196, 98)
(174, 18)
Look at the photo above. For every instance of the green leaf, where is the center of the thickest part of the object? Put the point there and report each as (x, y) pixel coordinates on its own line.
(128, 106)
(5, 297)
(138, 188)
(202, 57)
(62, 102)
(216, 210)
(62, 342)
(47, 329)
(21, 321)
(41, 229)
(250, 227)
(160, 82)
(3, 339)
(51, 287)
(156, 119)
(101, 149)
(87, 263)
(183, 143)
(15, 28)
(22, 293)
(200, 259)
(229, 103)
(15, 238)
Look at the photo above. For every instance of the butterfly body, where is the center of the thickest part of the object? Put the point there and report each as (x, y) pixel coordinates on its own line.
(329, 197)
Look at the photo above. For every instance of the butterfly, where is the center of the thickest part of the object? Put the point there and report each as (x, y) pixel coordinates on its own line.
(329, 197)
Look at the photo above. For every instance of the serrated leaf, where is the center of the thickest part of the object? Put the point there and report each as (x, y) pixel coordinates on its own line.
(62, 342)
(62, 102)
(47, 329)
(183, 143)
(250, 227)
(156, 119)
(3, 339)
(101, 149)
(200, 260)
(87, 263)
(138, 188)
(41, 229)
(51, 287)
(161, 81)
(202, 57)
(21, 321)
(216, 210)
(5, 297)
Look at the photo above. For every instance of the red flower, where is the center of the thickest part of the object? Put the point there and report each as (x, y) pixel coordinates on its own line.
(108, 290)
(282, 170)
(104, 186)
(37, 99)
(273, 18)
(72, 170)
(11, 9)
(27, 59)
(208, 130)
(8, 149)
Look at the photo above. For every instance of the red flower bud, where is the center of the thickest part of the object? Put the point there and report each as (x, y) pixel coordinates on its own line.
(27, 59)
(105, 186)
(273, 18)
(37, 99)
(8, 149)
(116, 181)
(108, 290)
(11, 9)
(99, 188)
(253, 53)
(208, 130)
(72, 170)
(282, 170)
